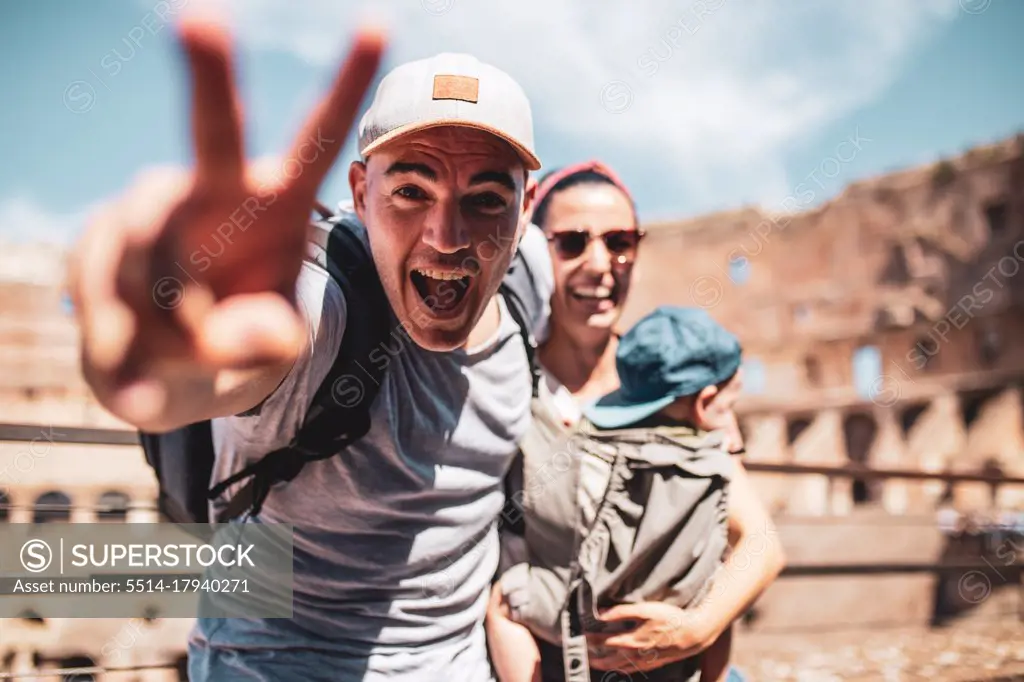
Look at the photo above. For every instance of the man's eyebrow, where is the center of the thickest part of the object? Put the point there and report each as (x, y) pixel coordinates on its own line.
(406, 167)
(500, 177)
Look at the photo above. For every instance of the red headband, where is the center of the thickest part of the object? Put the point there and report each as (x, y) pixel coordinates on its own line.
(594, 165)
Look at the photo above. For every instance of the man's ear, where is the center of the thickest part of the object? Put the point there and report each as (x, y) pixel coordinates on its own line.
(527, 212)
(357, 185)
(528, 196)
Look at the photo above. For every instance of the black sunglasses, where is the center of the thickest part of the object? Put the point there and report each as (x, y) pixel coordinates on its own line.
(622, 244)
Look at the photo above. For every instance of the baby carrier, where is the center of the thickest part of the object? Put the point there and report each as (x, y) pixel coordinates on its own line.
(612, 517)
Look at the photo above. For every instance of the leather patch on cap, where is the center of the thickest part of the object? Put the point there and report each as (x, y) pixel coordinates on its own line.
(465, 88)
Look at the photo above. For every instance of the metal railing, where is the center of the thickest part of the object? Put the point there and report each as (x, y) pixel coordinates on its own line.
(98, 436)
(123, 437)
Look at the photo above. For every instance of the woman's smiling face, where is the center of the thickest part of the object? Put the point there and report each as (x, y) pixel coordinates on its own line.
(591, 285)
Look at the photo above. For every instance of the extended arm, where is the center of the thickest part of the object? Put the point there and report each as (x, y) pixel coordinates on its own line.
(184, 287)
(754, 562)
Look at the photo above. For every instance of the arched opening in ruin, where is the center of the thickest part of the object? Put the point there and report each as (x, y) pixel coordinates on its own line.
(973, 403)
(739, 270)
(181, 666)
(926, 353)
(992, 467)
(78, 663)
(895, 271)
(867, 371)
(812, 371)
(990, 347)
(859, 432)
(909, 417)
(795, 428)
(52, 507)
(754, 380)
(996, 214)
(30, 616)
(112, 506)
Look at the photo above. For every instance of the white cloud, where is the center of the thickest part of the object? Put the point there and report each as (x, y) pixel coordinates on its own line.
(720, 91)
(34, 240)
(24, 220)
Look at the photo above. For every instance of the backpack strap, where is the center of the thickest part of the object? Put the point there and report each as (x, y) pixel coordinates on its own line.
(579, 611)
(340, 410)
(519, 291)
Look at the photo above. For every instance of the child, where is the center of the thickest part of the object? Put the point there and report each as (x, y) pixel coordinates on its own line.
(680, 376)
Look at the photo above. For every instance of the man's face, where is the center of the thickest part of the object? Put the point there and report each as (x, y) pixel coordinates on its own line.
(590, 286)
(443, 209)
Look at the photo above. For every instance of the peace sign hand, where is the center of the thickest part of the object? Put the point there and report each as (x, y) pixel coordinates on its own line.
(191, 274)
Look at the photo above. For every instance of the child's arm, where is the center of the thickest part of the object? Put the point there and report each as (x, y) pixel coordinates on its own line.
(714, 665)
(756, 556)
(513, 650)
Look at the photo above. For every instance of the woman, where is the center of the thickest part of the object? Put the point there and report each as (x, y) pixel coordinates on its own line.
(589, 219)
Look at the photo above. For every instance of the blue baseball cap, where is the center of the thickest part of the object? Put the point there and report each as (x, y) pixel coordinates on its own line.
(670, 353)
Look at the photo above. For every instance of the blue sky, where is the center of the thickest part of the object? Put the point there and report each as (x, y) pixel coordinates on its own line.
(702, 105)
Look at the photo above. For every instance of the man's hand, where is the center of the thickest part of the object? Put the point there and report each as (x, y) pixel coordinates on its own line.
(190, 275)
(653, 635)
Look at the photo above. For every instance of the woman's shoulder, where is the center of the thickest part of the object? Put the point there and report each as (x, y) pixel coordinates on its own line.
(557, 399)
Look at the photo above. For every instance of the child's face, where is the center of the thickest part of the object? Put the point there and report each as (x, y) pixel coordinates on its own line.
(715, 410)
(712, 410)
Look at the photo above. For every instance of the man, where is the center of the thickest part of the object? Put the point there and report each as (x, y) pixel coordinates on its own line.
(395, 542)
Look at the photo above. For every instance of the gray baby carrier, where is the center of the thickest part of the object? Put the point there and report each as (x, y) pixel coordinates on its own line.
(611, 517)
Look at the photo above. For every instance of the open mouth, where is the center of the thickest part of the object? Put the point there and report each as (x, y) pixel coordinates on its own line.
(443, 291)
(599, 296)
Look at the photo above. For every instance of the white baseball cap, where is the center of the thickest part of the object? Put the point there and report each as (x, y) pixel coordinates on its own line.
(449, 90)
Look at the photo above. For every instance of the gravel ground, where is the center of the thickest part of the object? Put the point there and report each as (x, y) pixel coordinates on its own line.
(993, 652)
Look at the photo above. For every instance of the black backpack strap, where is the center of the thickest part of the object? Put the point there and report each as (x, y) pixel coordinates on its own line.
(518, 288)
(519, 291)
(182, 460)
(515, 309)
(340, 410)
